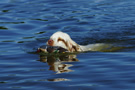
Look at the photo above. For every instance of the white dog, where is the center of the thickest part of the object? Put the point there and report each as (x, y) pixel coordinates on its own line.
(63, 40)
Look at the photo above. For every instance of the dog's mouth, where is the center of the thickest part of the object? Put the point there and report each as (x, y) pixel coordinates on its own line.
(51, 49)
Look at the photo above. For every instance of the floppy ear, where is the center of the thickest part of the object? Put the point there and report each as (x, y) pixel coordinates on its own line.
(72, 46)
(69, 46)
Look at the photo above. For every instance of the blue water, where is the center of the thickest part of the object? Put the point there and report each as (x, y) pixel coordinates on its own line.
(27, 24)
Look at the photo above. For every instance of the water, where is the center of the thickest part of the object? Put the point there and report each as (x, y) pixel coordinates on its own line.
(28, 24)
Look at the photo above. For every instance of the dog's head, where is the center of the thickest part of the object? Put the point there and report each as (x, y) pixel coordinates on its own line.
(63, 40)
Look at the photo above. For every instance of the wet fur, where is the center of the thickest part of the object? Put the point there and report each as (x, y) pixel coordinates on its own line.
(64, 40)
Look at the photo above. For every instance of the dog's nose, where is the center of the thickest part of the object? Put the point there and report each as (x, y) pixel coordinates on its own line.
(50, 42)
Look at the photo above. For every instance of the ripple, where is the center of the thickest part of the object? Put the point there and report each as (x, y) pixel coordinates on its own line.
(3, 28)
(40, 19)
(23, 41)
(42, 32)
(27, 24)
(28, 37)
(11, 22)
(9, 41)
(5, 10)
(2, 82)
(25, 27)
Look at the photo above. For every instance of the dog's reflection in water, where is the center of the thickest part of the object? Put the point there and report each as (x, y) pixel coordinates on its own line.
(57, 64)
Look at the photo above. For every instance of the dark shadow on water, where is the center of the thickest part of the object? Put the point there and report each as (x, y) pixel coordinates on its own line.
(61, 63)
(58, 63)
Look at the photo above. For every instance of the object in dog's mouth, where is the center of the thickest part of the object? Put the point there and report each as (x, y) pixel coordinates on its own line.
(51, 49)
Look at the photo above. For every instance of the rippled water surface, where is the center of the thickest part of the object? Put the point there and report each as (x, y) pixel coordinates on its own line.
(27, 24)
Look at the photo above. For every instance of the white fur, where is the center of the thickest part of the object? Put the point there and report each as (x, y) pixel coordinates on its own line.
(62, 35)
(71, 43)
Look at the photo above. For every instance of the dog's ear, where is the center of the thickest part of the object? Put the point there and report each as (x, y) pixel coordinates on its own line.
(72, 46)
(67, 43)
(69, 46)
